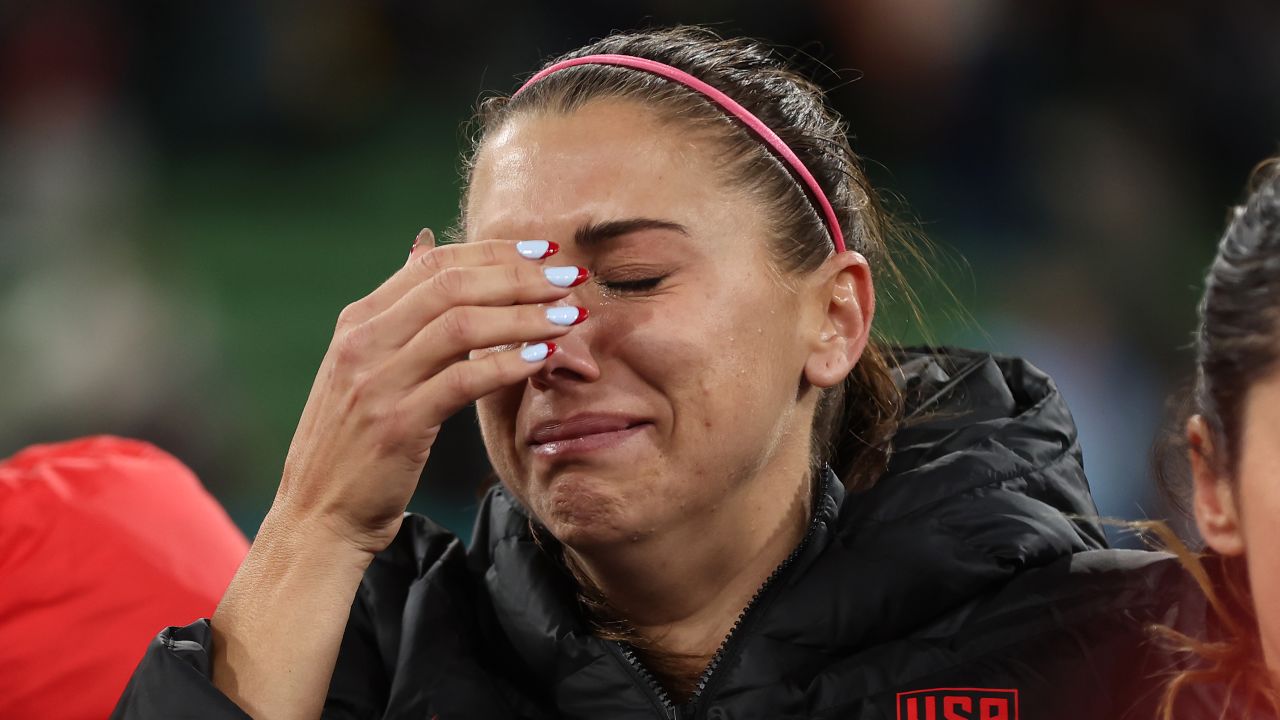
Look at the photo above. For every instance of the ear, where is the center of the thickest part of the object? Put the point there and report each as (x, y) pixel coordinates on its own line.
(1213, 498)
(842, 302)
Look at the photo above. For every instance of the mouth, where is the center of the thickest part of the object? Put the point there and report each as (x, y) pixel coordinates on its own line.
(583, 434)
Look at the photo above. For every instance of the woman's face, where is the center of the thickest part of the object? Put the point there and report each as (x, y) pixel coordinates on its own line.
(692, 343)
(1241, 514)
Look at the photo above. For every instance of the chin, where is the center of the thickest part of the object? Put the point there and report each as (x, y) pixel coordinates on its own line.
(583, 510)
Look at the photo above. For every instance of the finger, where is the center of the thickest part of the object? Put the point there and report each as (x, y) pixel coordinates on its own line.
(462, 383)
(451, 337)
(458, 286)
(427, 259)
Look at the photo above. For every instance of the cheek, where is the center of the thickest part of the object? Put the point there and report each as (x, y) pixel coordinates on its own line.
(1260, 503)
(721, 362)
(1259, 496)
(1264, 582)
(496, 413)
(684, 351)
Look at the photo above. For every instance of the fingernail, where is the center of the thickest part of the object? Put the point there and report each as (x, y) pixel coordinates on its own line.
(537, 249)
(561, 315)
(537, 351)
(424, 236)
(565, 275)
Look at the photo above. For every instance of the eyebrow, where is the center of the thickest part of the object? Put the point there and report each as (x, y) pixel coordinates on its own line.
(596, 234)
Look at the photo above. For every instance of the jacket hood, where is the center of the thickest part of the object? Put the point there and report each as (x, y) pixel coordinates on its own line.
(976, 420)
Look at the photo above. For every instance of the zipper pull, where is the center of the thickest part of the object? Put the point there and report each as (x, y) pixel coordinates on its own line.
(673, 713)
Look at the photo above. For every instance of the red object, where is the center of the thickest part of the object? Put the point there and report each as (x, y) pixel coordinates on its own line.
(963, 703)
(103, 543)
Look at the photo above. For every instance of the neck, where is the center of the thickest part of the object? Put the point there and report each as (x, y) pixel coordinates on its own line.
(682, 591)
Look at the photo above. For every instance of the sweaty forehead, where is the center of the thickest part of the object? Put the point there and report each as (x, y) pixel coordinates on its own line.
(607, 159)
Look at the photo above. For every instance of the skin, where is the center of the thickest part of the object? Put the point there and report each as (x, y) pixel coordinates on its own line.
(395, 370)
(1236, 512)
(680, 524)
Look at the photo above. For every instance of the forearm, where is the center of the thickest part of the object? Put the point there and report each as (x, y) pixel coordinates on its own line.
(277, 630)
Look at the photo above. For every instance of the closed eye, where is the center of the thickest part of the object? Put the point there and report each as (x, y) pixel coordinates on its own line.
(631, 286)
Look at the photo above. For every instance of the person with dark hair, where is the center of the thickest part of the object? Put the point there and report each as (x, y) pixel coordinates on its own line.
(1230, 447)
(720, 496)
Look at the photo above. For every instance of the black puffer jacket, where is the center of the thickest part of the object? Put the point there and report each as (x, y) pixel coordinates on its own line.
(974, 563)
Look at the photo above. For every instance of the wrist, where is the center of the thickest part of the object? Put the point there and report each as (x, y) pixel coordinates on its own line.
(278, 629)
(313, 540)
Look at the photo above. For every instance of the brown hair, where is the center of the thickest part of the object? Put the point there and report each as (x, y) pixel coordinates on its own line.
(854, 422)
(1237, 343)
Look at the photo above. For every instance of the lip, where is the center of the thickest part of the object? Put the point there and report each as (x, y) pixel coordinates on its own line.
(583, 433)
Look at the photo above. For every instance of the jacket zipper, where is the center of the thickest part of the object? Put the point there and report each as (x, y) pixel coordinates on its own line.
(671, 709)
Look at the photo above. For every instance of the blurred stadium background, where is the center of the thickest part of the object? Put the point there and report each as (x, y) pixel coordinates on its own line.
(190, 192)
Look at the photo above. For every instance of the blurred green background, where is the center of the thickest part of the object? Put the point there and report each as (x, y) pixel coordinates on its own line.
(191, 192)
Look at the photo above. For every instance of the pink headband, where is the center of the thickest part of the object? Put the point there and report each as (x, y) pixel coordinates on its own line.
(724, 101)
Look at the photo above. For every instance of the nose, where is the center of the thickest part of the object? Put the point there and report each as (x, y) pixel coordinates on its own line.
(573, 361)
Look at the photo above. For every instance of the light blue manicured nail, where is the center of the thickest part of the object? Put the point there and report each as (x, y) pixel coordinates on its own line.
(534, 352)
(562, 275)
(532, 249)
(563, 315)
